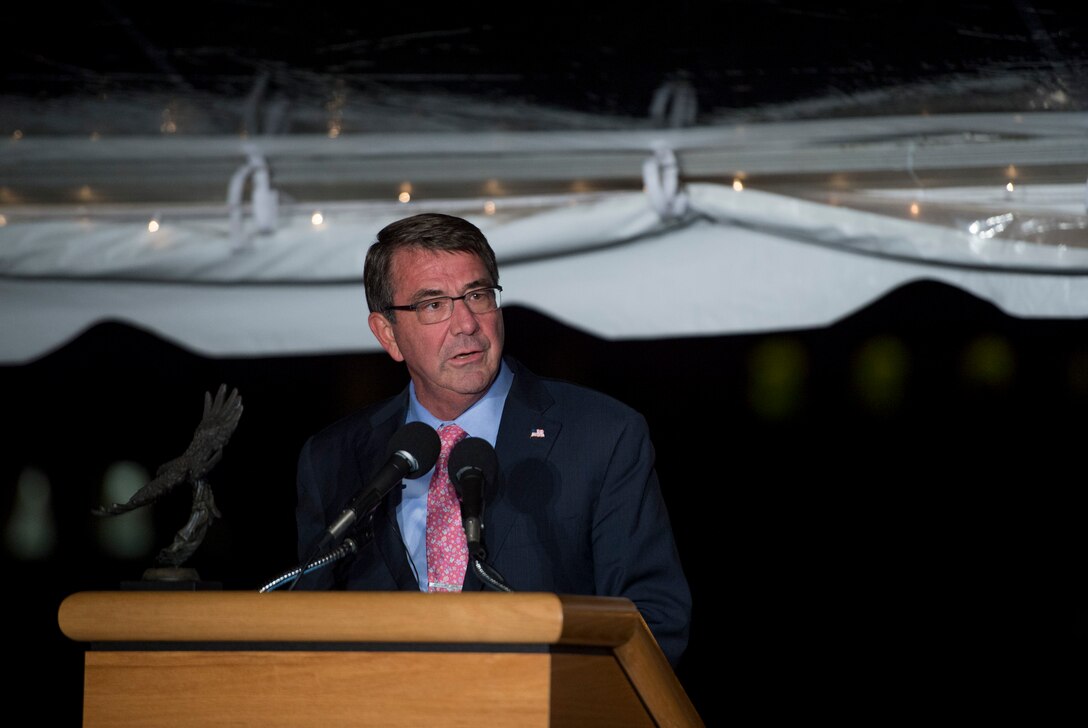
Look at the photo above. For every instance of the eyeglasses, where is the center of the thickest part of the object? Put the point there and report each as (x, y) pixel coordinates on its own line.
(437, 310)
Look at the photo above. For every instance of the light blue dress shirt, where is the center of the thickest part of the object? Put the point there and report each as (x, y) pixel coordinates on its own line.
(480, 420)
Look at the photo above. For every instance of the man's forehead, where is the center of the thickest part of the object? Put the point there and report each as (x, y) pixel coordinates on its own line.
(417, 269)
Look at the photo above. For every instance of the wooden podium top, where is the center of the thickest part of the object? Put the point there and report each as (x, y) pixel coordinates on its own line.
(235, 616)
(209, 617)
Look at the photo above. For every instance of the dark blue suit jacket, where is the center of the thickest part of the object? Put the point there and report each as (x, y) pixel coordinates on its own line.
(577, 511)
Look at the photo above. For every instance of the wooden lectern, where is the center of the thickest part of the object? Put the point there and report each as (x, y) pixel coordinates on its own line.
(199, 658)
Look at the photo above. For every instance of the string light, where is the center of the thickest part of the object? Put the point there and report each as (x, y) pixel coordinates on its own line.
(738, 186)
(317, 218)
(168, 126)
(915, 209)
(404, 197)
(335, 108)
(489, 207)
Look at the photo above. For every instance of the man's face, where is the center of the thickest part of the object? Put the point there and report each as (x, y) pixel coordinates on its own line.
(452, 363)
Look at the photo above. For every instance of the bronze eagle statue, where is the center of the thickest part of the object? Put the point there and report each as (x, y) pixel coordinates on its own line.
(221, 416)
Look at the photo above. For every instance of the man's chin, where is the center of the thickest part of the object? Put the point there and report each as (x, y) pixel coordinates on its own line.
(472, 378)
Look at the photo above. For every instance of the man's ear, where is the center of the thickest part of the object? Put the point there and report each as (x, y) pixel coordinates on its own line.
(382, 329)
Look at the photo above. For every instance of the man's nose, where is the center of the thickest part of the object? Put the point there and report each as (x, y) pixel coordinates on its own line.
(462, 321)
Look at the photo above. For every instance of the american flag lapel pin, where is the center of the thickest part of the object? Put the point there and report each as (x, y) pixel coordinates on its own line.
(536, 433)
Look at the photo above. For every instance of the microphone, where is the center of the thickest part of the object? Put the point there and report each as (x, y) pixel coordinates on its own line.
(472, 463)
(413, 451)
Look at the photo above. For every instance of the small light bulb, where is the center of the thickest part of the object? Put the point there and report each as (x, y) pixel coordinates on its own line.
(489, 207)
(404, 197)
(915, 209)
(738, 185)
(317, 218)
(153, 225)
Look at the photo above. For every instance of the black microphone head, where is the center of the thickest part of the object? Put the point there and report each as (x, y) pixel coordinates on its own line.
(473, 453)
(420, 443)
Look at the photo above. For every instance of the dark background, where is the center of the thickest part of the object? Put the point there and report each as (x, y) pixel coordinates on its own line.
(604, 58)
(894, 529)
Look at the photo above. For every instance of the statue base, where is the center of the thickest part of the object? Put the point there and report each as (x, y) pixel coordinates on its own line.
(173, 578)
(171, 573)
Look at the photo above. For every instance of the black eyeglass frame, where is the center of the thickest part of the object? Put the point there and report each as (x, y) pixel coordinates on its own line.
(414, 307)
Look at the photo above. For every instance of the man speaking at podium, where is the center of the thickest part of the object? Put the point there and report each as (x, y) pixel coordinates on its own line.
(574, 507)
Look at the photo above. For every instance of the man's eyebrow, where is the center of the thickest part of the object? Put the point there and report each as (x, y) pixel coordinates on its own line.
(424, 294)
(427, 293)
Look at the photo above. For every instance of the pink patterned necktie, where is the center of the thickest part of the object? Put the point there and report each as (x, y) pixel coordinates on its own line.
(447, 548)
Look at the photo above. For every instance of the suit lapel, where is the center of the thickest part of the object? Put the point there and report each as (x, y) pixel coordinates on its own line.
(526, 435)
(383, 529)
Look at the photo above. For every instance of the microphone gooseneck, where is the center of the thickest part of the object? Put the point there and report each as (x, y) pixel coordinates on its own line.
(490, 578)
(348, 546)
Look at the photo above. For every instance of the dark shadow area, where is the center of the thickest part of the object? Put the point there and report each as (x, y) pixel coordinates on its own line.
(878, 519)
(607, 59)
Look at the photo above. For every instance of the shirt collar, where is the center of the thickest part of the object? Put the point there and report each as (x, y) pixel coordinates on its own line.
(479, 420)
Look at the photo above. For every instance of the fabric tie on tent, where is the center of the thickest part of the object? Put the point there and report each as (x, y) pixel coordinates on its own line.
(661, 181)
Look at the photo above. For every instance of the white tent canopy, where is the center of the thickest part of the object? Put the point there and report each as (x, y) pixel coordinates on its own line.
(624, 234)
